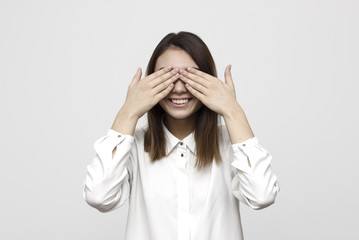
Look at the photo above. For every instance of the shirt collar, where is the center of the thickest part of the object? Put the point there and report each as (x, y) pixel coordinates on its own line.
(172, 141)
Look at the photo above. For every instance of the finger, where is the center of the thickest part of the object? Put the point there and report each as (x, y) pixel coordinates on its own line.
(137, 77)
(163, 78)
(194, 85)
(228, 76)
(198, 72)
(161, 95)
(195, 78)
(162, 86)
(159, 73)
(195, 93)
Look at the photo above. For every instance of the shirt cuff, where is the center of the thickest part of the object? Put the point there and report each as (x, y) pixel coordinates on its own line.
(245, 146)
(105, 145)
(242, 152)
(114, 133)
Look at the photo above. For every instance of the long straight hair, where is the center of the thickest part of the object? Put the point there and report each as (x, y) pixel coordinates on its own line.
(206, 133)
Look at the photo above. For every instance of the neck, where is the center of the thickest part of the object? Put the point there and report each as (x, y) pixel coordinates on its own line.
(180, 128)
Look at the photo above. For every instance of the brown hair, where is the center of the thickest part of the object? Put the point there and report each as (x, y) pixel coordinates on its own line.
(206, 133)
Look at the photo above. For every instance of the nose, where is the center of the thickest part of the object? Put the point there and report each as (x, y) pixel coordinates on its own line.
(179, 87)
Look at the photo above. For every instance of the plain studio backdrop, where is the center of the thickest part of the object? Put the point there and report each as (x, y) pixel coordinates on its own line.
(65, 67)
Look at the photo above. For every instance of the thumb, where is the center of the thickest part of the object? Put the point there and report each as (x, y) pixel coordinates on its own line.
(228, 75)
(137, 77)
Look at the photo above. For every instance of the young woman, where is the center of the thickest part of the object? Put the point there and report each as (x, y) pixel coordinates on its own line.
(184, 174)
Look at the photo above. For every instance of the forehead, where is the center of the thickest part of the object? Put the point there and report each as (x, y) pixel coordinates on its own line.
(176, 58)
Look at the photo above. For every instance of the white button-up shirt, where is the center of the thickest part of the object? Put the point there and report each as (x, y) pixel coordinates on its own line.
(170, 199)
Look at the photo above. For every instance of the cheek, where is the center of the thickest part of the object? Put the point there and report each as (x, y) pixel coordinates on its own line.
(198, 104)
(162, 103)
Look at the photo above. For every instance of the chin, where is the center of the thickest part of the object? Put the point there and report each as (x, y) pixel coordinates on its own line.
(179, 116)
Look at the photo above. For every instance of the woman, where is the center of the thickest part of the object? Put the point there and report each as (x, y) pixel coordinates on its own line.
(183, 174)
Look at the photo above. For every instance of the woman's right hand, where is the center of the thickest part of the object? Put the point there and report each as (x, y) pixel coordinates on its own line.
(143, 94)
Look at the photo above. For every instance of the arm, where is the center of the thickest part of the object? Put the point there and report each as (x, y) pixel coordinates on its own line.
(108, 179)
(109, 176)
(254, 182)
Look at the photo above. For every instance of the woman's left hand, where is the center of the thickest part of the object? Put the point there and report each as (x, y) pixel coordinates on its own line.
(216, 95)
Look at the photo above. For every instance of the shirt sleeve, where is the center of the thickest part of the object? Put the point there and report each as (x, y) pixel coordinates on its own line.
(254, 182)
(108, 180)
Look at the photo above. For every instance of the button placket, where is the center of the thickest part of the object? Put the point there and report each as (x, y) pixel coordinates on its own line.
(183, 194)
(182, 156)
(182, 149)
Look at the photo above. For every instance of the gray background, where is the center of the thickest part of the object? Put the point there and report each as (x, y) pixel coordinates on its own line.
(65, 67)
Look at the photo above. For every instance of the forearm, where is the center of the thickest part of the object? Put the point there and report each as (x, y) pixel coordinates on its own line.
(107, 181)
(125, 122)
(254, 183)
(237, 124)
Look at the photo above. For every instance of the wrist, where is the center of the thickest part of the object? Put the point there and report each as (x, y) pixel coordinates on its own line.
(232, 111)
(237, 124)
(129, 113)
(125, 122)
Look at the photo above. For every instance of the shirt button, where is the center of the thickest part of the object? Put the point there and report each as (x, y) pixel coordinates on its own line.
(181, 154)
(119, 135)
(181, 143)
(243, 145)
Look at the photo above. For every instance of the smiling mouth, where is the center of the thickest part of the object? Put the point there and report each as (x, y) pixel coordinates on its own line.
(180, 101)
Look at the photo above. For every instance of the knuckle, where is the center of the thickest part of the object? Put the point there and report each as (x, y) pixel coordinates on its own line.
(151, 93)
(163, 94)
(163, 85)
(163, 77)
(174, 77)
(143, 87)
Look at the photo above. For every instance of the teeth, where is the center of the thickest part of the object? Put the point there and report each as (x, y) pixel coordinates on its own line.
(181, 101)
